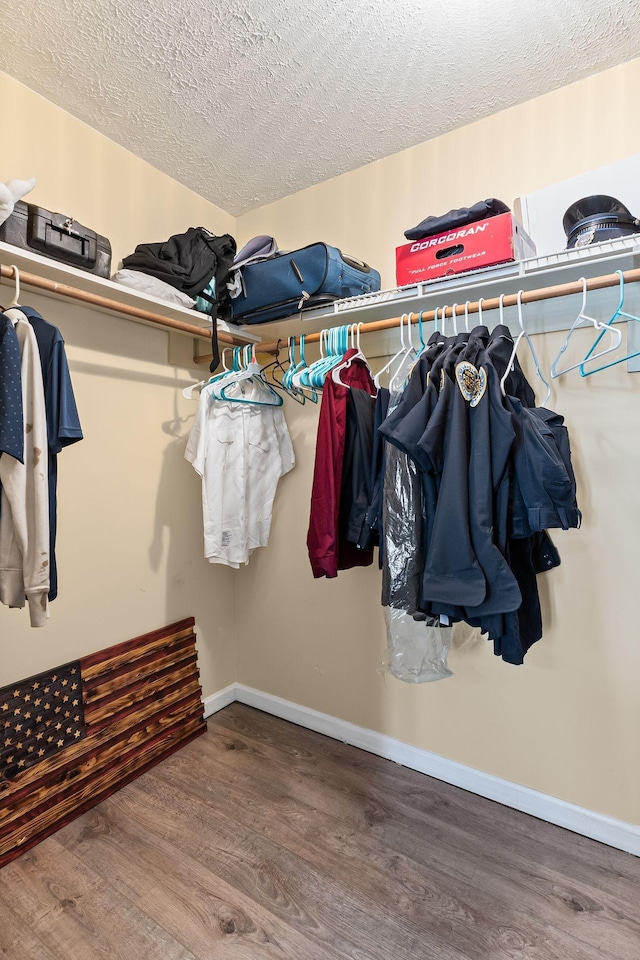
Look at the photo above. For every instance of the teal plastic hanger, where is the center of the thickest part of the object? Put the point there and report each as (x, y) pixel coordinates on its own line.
(423, 345)
(396, 356)
(619, 313)
(308, 393)
(273, 368)
(337, 344)
(354, 334)
(187, 393)
(246, 368)
(302, 372)
(298, 393)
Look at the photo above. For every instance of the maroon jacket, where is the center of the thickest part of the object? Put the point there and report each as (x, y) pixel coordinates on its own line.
(326, 553)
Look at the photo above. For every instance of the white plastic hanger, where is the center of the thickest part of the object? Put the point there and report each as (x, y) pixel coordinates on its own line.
(454, 319)
(337, 344)
(244, 366)
(251, 372)
(523, 333)
(299, 378)
(393, 359)
(407, 360)
(438, 324)
(16, 297)
(441, 320)
(13, 311)
(187, 393)
(354, 334)
(466, 316)
(616, 337)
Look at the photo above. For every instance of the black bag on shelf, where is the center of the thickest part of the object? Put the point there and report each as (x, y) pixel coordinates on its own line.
(57, 236)
(194, 261)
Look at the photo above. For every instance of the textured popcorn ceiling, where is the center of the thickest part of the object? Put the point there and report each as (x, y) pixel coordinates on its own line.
(246, 102)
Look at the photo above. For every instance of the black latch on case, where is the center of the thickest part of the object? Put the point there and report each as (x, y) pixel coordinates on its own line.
(53, 232)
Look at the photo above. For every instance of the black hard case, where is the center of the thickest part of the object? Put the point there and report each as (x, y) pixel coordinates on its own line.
(57, 236)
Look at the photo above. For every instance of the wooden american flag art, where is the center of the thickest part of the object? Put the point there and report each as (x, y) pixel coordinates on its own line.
(73, 735)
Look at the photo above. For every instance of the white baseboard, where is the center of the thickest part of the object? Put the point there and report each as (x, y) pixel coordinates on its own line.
(588, 823)
(220, 699)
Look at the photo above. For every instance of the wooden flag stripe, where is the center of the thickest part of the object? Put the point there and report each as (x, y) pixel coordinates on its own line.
(23, 841)
(142, 700)
(129, 652)
(183, 704)
(98, 740)
(103, 687)
(99, 674)
(101, 766)
(130, 713)
(164, 634)
(138, 689)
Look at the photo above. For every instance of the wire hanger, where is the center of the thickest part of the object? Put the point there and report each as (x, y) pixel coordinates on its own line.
(616, 336)
(619, 312)
(523, 333)
(276, 364)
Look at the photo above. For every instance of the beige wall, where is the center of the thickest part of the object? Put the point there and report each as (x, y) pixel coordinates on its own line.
(568, 721)
(82, 173)
(366, 212)
(130, 527)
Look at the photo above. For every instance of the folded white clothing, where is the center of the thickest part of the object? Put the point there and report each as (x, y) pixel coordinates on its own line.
(145, 283)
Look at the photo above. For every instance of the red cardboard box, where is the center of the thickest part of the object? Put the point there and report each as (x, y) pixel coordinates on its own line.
(484, 243)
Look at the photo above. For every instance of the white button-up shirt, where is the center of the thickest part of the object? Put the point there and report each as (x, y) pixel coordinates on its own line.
(240, 450)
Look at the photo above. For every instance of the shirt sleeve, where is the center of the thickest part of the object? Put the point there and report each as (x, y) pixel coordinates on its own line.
(196, 444)
(11, 415)
(63, 422)
(285, 447)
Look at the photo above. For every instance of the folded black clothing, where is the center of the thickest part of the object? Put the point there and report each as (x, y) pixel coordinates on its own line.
(187, 260)
(457, 218)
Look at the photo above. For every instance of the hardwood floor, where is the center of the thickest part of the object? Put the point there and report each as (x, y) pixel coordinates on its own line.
(264, 840)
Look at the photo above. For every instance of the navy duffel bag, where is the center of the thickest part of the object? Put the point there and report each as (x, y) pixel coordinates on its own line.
(290, 282)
